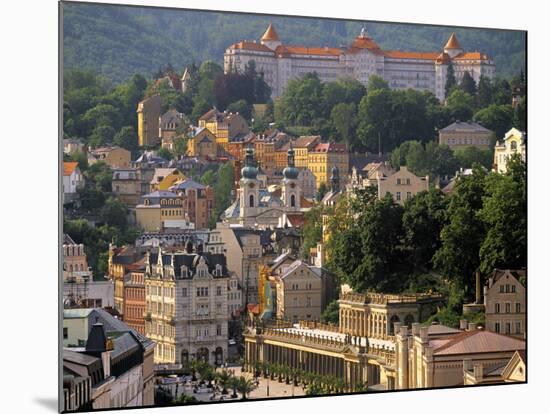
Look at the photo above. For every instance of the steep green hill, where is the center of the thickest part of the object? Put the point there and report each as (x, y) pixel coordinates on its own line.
(119, 41)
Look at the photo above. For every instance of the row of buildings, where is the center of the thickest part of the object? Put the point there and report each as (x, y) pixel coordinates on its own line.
(383, 343)
(424, 71)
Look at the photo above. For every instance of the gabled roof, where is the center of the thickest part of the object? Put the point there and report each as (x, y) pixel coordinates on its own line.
(69, 168)
(187, 184)
(476, 341)
(305, 141)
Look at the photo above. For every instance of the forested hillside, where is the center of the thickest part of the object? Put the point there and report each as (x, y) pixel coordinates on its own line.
(118, 41)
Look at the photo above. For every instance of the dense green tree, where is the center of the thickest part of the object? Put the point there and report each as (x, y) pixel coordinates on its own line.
(460, 105)
(468, 84)
(462, 235)
(102, 135)
(331, 313)
(520, 114)
(113, 213)
(484, 92)
(127, 138)
(375, 83)
(504, 213)
(450, 82)
(81, 158)
(343, 116)
(199, 109)
(374, 115)
(180, 146)
(429, 159)
(313, 230)
(210, 70)
(467, 157)
(223, 191)
(377, 234)
(502, 92)
(321, 191)
(242, 107)
(99, 176)
(423, 220)
(101, 115)
(208, 178)
(497, 118)
(302, 100)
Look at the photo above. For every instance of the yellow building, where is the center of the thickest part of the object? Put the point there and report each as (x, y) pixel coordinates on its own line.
(157, 208)
(224, 125)
(514, 142)
(114, 157)
(148, 112)
(302, 146)
(164, 178)
(323, 157)
(202, 144)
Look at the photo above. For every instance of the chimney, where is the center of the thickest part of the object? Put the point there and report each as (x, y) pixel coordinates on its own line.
(472, 326)
(463, 324)
(97, 341)
(478, 288)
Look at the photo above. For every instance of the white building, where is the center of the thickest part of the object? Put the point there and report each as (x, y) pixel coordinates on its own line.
(402, 70)
(72, 180)
(186, 305)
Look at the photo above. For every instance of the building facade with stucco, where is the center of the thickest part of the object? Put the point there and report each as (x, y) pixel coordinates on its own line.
(423, 71)
(402, 185)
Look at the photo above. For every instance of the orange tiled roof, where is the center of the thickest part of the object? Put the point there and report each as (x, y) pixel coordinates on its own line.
(320, 51)
(471, 56)
(251, 46)
(297, 220)
(270, 33)
(452, 43)
(69, 167)
(398, 54)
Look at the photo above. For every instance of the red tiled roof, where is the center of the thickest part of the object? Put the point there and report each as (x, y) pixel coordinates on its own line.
(471, 56)
(251, 46)
(305, 141)
(303, 50)
(398, 54)
(297, 220)
(476, 341)
(330, 147)
(305, 203)
(69, 167)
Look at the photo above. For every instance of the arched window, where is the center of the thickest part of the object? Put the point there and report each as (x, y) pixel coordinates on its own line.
(251, 200)
(292, 200)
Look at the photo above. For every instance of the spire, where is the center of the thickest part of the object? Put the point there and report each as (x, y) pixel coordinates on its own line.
(452, 43)
(363, 34)
(270, 34)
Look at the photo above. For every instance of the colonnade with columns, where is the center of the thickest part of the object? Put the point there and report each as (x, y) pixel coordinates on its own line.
(359, 322)
(353, 369)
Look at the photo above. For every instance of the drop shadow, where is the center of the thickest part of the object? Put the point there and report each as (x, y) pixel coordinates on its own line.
(49, 403)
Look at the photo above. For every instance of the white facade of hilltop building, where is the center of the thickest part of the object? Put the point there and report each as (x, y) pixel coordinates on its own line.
(364, 58)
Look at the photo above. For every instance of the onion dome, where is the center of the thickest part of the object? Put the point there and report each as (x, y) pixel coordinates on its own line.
(249, 170)
(290, 172)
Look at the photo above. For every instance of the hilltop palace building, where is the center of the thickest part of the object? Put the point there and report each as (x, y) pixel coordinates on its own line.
(402, 70)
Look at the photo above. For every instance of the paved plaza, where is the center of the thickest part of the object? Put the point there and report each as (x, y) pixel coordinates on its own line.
(183, 386)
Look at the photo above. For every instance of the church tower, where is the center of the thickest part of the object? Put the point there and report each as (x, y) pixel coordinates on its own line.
(249, 186)
(291, 190)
